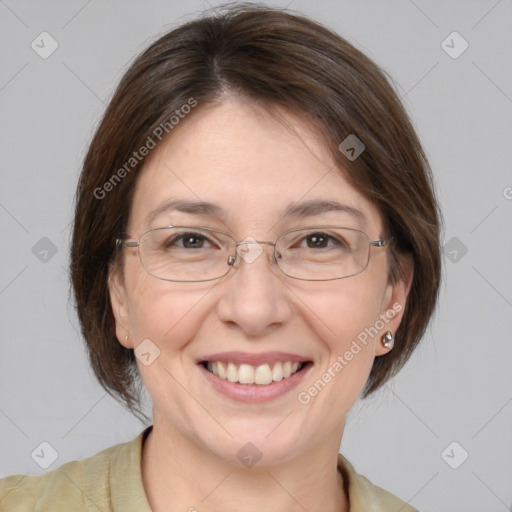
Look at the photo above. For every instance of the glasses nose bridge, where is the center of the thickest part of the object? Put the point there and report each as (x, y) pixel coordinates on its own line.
(259, 242)
(232, 258)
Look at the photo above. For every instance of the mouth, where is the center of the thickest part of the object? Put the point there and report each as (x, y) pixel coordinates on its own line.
(260, 375)
(252, 378)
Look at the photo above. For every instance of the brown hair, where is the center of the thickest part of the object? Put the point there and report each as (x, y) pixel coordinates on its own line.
(276, 58)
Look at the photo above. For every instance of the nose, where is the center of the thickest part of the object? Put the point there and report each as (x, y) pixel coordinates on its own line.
(255, 299)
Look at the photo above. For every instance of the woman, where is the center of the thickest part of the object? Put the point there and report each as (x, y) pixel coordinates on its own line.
(256, 236)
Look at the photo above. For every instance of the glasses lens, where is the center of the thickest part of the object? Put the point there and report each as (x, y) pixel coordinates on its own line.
(185, 253)
(323, 253)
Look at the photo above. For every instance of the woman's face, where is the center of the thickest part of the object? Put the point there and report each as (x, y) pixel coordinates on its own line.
(252, 168)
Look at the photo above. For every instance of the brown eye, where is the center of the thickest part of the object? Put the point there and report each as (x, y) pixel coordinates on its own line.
(323, 240)
(317, 240)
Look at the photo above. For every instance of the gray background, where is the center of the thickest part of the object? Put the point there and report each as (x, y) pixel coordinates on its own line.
(457, 387)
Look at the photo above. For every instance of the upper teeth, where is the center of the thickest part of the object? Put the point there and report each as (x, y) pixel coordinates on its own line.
(248, 374)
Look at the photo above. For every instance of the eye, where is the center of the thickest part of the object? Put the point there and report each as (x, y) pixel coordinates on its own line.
(321, 240)
(189, 240)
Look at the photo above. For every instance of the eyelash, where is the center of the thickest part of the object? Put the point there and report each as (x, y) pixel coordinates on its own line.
(183, 236)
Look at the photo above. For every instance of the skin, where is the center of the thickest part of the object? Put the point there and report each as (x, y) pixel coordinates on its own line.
(241, 157)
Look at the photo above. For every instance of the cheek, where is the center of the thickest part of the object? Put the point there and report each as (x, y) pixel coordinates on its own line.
(167, 313)
(343, 309)
(343, 373)
(342, 317)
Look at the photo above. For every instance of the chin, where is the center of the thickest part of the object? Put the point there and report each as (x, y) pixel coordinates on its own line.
(252, 445)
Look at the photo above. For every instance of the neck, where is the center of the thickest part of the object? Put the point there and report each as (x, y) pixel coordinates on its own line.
(180, 476)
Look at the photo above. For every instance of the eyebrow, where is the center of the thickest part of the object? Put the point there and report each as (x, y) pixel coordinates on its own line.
(301, 210)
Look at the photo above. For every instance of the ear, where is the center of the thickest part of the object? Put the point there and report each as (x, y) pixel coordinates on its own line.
(119, 302)
(393, 303)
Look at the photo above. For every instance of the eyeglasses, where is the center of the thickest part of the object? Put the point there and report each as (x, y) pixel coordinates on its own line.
(196, 253)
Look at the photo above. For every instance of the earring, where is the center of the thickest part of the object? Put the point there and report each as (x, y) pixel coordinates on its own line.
(387, 339)
(126, 338)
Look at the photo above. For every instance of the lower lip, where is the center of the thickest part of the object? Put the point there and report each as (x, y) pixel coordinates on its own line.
(255, 392)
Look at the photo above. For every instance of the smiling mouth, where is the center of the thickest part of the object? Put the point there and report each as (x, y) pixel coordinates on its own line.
(263, 374)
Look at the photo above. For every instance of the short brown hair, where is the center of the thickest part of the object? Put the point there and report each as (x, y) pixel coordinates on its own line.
(279, 58)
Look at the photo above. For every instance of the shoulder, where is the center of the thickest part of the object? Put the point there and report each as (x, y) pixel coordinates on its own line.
(77, 485)
(364, 496)
(24, 492)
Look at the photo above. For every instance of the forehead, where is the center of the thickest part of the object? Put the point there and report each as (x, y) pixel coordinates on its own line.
(252, 163)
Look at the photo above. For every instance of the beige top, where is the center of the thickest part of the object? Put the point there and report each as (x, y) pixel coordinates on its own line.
(111, 481)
